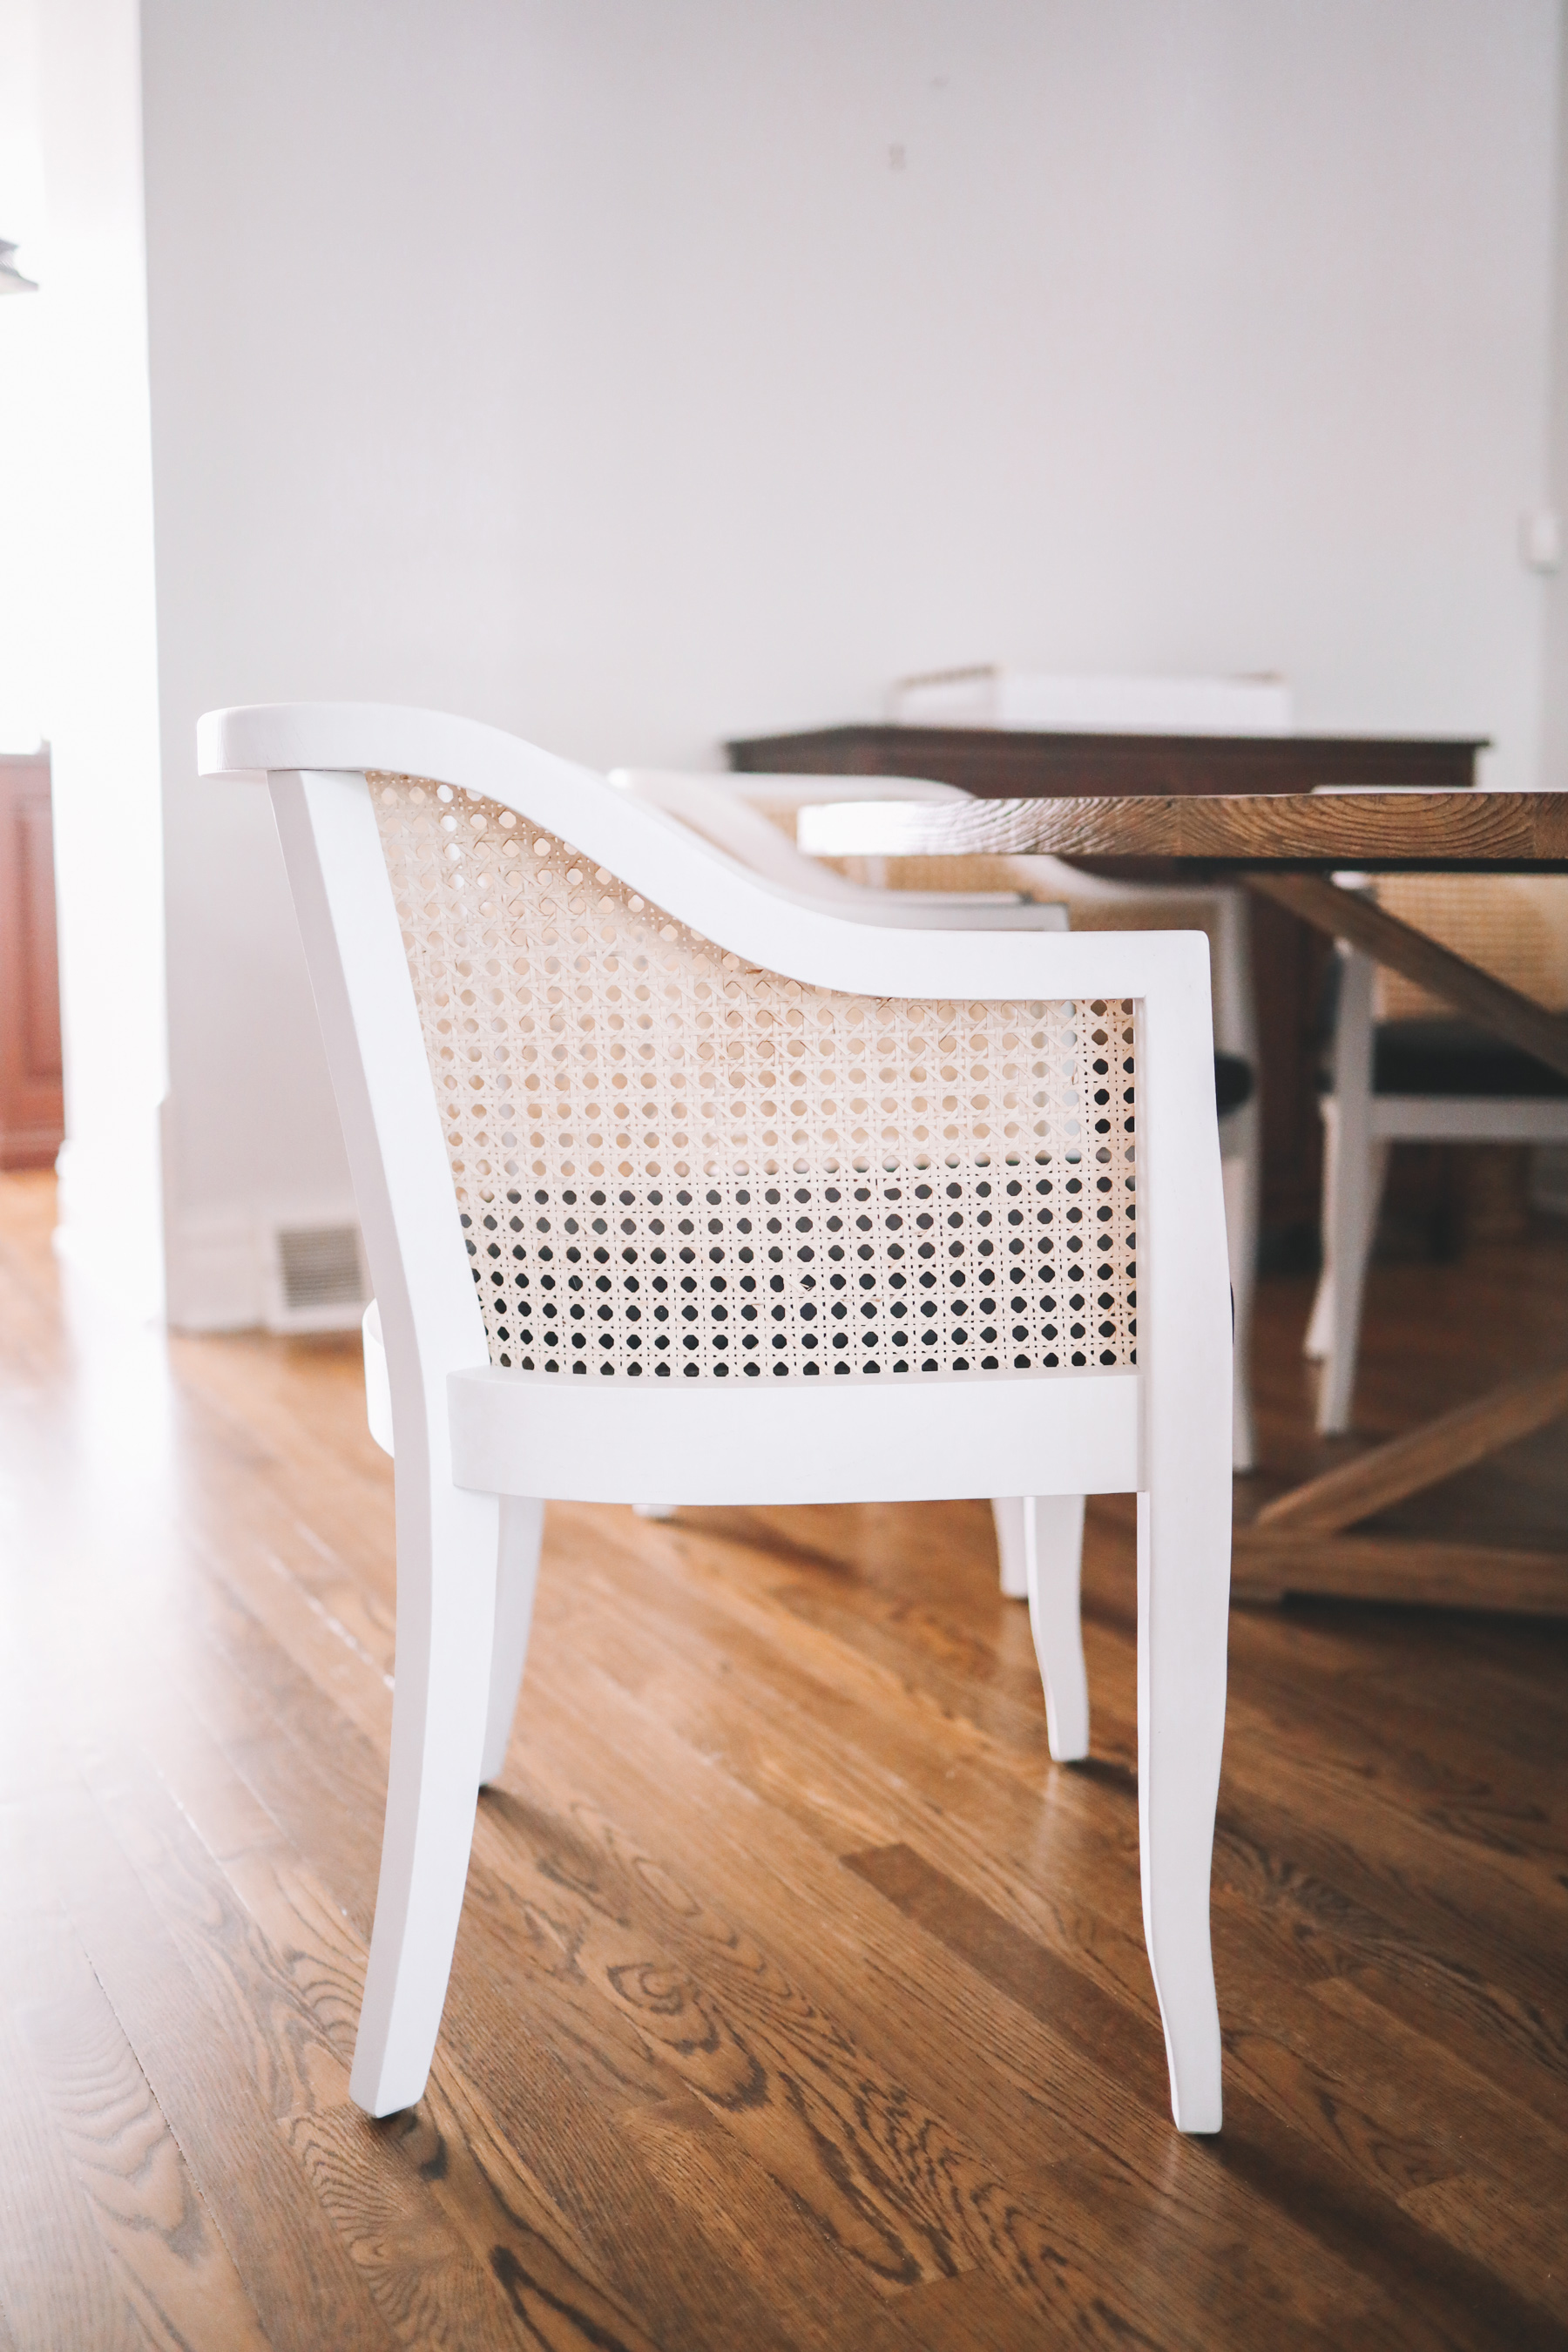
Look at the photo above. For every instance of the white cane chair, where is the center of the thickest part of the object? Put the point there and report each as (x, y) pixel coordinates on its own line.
(1406, 1070)
(670, 1182)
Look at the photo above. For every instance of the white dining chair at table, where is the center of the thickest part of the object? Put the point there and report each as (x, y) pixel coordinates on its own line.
(1404, 1068)
(671, 1181)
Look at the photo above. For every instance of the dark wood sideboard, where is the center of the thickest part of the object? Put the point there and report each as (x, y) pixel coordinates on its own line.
(32, 1116)
(1289, 958)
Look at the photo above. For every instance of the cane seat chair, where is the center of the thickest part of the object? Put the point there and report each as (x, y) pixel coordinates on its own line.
(667, 1177)
(1404, 1068)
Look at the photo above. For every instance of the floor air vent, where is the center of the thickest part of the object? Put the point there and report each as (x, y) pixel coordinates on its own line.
(316, 1280)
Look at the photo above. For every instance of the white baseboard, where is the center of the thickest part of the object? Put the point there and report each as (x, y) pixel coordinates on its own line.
(214, 1272)
(225, 1270)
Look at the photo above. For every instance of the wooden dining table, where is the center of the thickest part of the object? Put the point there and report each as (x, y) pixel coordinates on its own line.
(1305, 851)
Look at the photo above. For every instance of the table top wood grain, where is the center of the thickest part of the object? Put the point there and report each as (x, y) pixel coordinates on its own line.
(1373, 830)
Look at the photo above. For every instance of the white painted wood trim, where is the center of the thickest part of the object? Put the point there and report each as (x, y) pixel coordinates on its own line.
(832, 1440)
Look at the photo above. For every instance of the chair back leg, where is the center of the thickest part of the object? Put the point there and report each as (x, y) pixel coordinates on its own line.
(1007, 1512)
(446, 1545)
(1053, 1536)
(1240, 1172)
(517, 1577)
(1351, 1223)
(1353, 1182)
(1319, 1333)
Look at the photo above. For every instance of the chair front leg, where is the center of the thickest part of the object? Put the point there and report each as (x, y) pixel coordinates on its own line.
(517, 1579)
(1184, 1609)
(447, 1547)
(1053, 1537)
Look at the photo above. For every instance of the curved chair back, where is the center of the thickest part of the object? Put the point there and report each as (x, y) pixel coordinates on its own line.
(754, 1174)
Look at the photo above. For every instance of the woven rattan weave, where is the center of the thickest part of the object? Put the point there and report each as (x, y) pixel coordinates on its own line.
(669, 1163)
(1514, 926)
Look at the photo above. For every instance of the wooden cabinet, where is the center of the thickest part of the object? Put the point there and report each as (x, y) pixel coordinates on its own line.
(1288, 959)
(32, 1115)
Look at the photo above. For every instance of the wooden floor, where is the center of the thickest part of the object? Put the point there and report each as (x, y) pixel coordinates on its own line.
(799, 2001)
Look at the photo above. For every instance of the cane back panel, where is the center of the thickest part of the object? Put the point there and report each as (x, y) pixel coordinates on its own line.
(668, 1162)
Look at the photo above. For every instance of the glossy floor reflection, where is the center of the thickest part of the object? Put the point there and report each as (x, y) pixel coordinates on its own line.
(799, 2000)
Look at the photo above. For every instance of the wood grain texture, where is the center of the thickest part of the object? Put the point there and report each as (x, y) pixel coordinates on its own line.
(799, 2001)
(165, 2262)
(1386, 831)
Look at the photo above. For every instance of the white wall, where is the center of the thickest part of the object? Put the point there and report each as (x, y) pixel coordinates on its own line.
(78, 538)
(633, 375)
(1554, 590)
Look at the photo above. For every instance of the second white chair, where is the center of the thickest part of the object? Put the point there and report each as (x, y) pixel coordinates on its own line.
(1406, 1070)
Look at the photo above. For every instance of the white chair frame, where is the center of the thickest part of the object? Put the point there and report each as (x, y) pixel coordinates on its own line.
(1235, 1032)
(1359, 1124)
(478, 1448)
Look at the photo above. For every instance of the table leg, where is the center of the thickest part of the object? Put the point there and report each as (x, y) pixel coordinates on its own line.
(1297, 1543)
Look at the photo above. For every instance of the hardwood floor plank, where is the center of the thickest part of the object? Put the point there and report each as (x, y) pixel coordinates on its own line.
(58, 2285)
(1140, 1963)
(516, 1988)
(699, 2083)
(166, 2256)
(248, 1986)
(698, 2164)
(1462, 2301)
(1369, 1915)
(300, 2281)
(459, 2154)
(449, 2147)
(421, 2273)
(1046, 2099)
(977, 2314)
